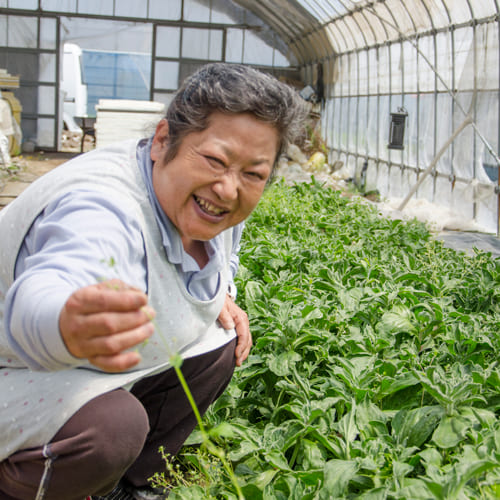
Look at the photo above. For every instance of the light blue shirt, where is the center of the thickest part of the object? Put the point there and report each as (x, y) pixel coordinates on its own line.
(63, 251)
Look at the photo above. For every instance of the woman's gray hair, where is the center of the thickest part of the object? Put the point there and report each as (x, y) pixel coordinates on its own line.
(233, 88)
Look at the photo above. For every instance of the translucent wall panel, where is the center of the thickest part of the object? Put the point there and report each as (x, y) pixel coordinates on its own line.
(46, 132)
(344, 124)
(384, 109)
(22, 32)
(396, 16)
(166, 75)
(487, 53)
(22, 4)
(464, 58)
(257, 51)
(131, 8)
(3, 31)
(47, 68)
(355, 34)
(280, 60)
(459, 10)
(384, 13)
(227, 13)
(48, 33)
(59, 5)
(373, 63)
(372, 126)
(352, 123)
(99, 7)
(426, 128)
(483, 8)
(412, 129)
(444, 61)
(202, 44)
(434, 15)
(362, 119)
(396, 68)
(234, 45)
(159, 9)
(212, 11)
(168, 41)
(363, 73)
(426, 63)
(444, 131)
(409, 67)
(101, 34)
(383, 69)
(197, 10)
(46, 100)
(487, 122)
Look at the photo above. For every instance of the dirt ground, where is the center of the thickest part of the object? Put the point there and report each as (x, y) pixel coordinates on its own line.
(24, 169)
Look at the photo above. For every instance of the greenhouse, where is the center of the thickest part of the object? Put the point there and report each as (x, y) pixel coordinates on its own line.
(374, 372)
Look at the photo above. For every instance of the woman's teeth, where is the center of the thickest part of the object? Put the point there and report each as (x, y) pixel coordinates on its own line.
(208, 207)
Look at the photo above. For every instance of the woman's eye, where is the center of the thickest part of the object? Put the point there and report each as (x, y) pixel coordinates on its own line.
(255, 175)
(215, 162)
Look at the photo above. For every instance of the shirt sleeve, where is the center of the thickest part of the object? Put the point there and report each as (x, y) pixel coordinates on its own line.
(78, 240)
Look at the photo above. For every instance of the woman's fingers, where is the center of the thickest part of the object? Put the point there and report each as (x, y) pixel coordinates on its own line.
(232, 316)
(108, 323)
(107, 296)
(118, 363)
(111, 352)
(244, 340)
(114, 343)
(100, 322)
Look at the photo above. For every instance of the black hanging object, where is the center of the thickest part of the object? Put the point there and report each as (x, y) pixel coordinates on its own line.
(397, 129)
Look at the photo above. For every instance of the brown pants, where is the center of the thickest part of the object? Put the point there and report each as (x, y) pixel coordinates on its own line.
(118, 435)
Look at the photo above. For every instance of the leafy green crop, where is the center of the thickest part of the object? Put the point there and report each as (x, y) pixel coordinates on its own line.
(374, 372)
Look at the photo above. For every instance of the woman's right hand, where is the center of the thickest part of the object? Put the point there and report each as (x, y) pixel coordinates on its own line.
(102, 322)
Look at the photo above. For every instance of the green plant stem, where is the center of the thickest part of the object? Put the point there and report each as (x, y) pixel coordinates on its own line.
(176, 362)
(192, 402)
(214, 450)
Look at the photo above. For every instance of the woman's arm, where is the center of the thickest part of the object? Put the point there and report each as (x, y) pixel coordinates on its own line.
(79, 240)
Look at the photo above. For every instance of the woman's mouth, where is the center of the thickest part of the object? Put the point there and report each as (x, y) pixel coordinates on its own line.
(209, 208)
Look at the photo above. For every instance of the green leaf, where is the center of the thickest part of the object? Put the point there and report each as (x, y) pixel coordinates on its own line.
(414, 427)
(277, 459)
(263, 479)
(224, 429)
(399, 319)
(450, 432)
(338, 474)
(401, 469)
(282, 364)
(312, 455)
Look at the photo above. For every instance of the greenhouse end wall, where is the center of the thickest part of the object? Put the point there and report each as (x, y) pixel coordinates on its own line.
(164, 41)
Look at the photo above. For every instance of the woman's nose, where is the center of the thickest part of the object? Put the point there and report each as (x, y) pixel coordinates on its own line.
(227, 186)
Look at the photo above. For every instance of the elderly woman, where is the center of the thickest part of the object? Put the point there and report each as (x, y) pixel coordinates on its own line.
(96, 249)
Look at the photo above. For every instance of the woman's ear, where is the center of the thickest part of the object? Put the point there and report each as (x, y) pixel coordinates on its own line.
(160, 141)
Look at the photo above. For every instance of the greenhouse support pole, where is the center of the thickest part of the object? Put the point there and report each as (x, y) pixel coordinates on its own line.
(433, 163)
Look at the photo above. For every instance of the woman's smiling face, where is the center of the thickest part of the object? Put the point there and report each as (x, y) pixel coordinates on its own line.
(218, 175)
